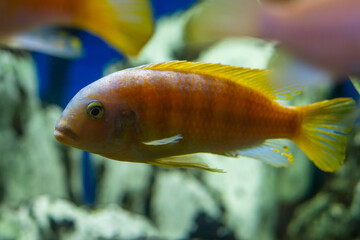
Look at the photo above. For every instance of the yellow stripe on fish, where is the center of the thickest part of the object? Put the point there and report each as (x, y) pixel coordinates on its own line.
(163, 114)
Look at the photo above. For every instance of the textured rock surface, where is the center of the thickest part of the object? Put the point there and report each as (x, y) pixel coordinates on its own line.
(30, 159)
(178, 198)
(246, 194)
(243, 52)
(47, 218)
(127, 184)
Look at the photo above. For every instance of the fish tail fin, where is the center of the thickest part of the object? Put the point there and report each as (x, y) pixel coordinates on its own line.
(125, 24)
(323, 133)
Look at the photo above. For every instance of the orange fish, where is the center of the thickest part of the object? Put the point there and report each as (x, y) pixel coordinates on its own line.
(163, 114)
(127, 25)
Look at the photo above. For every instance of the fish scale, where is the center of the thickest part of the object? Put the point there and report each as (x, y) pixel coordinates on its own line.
(177, 104)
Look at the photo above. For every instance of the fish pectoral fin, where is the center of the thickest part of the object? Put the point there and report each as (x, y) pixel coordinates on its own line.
(164, 141)
(273, 151)
(52, 41)
(185, 161)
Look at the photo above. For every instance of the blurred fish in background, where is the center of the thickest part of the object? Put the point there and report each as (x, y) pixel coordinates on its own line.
(126, 25)
(322, 32)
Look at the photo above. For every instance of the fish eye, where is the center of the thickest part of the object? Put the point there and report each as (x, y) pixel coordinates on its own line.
(95, 110)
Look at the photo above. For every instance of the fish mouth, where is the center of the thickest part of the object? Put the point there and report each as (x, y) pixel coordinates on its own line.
(62, 134)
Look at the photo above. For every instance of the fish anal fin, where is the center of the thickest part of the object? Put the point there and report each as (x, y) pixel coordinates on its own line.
(256, 79)
(275, 152)
(185, 161)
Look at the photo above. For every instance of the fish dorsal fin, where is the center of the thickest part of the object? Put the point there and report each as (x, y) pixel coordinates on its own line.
(253, 78)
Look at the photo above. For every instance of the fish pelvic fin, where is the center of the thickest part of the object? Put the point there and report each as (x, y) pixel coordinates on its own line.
(257, 79)
(323, 134)
(185, 161)
(125, 24)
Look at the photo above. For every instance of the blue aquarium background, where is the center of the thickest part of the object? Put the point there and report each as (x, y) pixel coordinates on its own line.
(50, 191)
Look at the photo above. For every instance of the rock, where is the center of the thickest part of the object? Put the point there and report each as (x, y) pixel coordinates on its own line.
(245, 193)
(178, 198)
(127, 184)
(48, 218)
(242, 52)
(30, 159)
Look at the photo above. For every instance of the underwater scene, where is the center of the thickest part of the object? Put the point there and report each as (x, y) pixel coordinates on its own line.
(183, 119)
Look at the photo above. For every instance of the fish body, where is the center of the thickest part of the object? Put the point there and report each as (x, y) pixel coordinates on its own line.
(163, 113)
(322, 32)
(126, 25)
(212, 115)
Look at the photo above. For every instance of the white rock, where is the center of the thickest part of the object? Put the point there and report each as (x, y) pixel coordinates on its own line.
(241, 52)
(47, 218)
(123, 178)
(178, 197)
(30, 161)
(246, 191)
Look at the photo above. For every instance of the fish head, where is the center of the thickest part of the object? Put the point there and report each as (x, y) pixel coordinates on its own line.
(96, 121)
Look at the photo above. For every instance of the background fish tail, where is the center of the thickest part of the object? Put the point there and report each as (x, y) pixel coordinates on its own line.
(323, 134)
(127, 25)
